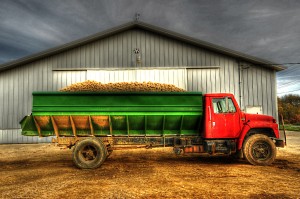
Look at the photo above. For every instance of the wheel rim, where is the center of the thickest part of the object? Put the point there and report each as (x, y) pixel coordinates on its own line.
(88, 153)
(261, 150)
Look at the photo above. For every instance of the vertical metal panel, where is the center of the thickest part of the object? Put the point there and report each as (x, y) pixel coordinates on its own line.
(119, 48)
(15, 99)
(2, 80)
(156, 55)
(92, 55)
(147, 49)
(218, 77)
(184, 55)
(226, 75)
(269, 93)
(189, 55)
(75, 58)
(48, 68)
(202, 80)
(264, 91)
(236, 79)
(124, 40)
(82, 56)
(62, 79)
(274, 95)
(97, 53)
(5, 100)
(105, 53)
(114, 52)
(20, 104)
(161, 55)
(259, 86)
(101, 53)
(194, 56)
(88, 55)
(245, 85)
(231, 73)
(10, 105)
(131, 46)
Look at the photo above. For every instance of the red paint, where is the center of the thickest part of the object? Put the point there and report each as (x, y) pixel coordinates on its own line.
(223, 119)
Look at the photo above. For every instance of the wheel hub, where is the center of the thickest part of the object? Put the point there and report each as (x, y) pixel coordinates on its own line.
(261, 151)
(89, 153)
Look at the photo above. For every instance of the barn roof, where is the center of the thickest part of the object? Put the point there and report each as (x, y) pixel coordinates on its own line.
(148, 27)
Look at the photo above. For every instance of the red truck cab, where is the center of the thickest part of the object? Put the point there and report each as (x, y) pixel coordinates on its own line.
(257, 136)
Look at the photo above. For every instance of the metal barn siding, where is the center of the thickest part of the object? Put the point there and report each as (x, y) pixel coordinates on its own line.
(224, 78)
(117, 52)
(207, 71)
(62, 79)
(259, 88)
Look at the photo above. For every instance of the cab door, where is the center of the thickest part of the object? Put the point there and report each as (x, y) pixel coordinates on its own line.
(225, 120)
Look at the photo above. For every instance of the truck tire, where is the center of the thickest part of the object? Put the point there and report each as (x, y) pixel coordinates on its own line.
(89, 153)
(259, 150)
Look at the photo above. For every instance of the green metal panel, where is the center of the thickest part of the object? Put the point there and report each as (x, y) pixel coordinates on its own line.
(115, 114)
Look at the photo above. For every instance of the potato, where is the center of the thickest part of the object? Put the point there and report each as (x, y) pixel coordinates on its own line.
(94, 86)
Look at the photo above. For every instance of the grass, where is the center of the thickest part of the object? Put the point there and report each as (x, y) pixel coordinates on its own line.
(290, 127)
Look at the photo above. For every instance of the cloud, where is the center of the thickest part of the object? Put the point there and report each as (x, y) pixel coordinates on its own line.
(267, 29)
(259, 13)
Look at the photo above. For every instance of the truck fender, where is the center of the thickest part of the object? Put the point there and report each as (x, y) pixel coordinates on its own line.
(243, 134)
(247, 129)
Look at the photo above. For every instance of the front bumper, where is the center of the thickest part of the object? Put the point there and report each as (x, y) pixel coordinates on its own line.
(279, 143)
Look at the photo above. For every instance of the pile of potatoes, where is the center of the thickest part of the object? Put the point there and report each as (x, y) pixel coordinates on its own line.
(94, 86)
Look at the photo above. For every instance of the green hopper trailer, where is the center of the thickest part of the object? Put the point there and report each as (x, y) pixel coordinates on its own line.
(97, 123)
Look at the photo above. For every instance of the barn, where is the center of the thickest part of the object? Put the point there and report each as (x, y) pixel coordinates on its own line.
(135, 51)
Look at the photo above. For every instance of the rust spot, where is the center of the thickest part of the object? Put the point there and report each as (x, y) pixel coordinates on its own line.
(63, 122)
(81, 122)
(43, 121)
(194, 149)
(101, 121)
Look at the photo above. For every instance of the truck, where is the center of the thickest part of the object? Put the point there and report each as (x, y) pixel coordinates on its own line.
(94, 124)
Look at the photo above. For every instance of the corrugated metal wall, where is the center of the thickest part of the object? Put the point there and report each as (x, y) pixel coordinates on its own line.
(211, 72)
(117, 52)
(259, 89)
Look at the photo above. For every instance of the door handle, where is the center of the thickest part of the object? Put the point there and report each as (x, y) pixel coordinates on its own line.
(213, 124)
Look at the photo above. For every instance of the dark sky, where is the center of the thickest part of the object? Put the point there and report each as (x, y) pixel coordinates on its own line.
(266, 29)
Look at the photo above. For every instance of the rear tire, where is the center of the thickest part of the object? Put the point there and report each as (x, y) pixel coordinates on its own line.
(260, 150)
(89, 153)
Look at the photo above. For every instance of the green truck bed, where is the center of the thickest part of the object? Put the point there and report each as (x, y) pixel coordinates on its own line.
(114, 114)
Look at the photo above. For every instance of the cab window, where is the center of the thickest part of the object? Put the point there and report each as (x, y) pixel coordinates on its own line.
(223, 105)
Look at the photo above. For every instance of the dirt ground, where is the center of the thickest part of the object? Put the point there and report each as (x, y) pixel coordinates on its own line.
(46, 171)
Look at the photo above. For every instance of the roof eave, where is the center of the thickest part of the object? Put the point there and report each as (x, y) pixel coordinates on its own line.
(145, 26)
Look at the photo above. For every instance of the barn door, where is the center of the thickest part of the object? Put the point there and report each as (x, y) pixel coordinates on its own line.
(111, 76)
(177, 77)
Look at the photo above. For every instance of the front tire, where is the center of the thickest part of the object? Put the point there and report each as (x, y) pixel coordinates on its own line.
(89, 153)
(259, 150)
